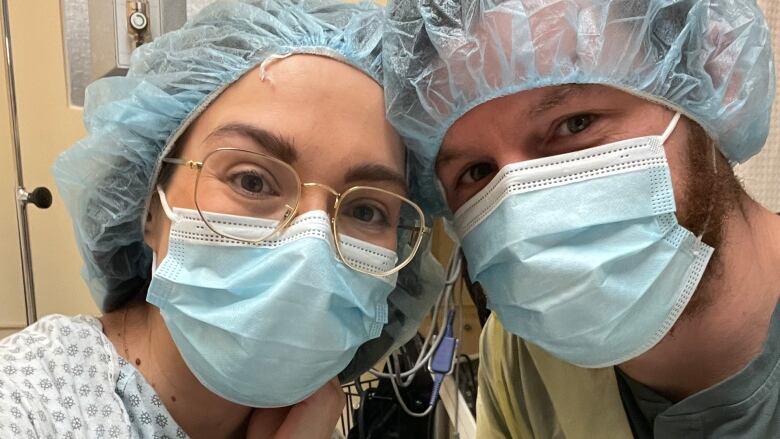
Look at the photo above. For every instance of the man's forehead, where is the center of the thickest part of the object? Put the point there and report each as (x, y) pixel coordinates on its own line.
(530, 103)
(526, 106)
(535, 102)
(551, 40)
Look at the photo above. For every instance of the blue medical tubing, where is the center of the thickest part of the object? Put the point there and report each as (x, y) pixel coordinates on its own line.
(443, 361)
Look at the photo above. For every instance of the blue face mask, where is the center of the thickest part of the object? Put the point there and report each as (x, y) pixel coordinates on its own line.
(581, 253)
(267, 324)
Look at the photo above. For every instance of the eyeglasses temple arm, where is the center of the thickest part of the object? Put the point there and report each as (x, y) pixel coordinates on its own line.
(183, 162)
(419, 229)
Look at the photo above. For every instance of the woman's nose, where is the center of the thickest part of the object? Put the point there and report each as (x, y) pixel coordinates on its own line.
(316, 198)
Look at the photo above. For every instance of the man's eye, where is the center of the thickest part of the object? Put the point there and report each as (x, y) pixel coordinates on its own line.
(476, 173)
(574, 125)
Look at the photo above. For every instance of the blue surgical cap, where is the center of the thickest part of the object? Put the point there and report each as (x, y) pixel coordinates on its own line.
(710, 60)
(106, 179)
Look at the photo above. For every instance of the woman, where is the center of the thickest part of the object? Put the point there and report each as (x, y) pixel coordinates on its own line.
(240, 206)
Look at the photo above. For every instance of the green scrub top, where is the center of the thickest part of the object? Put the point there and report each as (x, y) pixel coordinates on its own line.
(745, 405)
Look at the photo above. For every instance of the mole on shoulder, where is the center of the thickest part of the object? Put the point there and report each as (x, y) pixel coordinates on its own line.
(137, 361)
(173, 398)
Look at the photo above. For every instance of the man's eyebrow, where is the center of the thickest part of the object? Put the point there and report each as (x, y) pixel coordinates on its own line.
(554, 98)
(375, 173)
(550, 99)
(265, 140)
(449, 154)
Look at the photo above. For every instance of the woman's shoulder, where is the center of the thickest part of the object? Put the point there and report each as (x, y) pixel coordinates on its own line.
(54, 375)
(54, 324)
(57, 336)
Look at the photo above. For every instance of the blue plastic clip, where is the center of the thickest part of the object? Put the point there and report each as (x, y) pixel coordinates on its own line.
(442, 362)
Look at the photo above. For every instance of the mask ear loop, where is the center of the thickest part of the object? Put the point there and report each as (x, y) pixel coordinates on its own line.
(664, 137)
(670, 129)
(171, 216)
(164, 203)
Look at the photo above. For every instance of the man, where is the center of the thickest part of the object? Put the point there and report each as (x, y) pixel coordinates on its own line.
(229, 328)
(581, 150)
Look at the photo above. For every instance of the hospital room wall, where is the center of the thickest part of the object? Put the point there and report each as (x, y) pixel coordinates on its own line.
(761, 174)
(11, 299)
(48, 124)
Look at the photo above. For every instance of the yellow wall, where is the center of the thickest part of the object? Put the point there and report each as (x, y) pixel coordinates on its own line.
(761, 174)
(48, 125)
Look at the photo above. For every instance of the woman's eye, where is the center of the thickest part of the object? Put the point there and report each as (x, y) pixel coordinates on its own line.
(367, 214)
(574, 125)
(476, 173)
(252, 183)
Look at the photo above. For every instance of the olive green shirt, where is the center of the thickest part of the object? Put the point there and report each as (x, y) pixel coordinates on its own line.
(526, 393)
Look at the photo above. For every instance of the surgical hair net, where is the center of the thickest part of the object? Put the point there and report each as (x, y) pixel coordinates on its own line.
(711, 60)
(106, 179)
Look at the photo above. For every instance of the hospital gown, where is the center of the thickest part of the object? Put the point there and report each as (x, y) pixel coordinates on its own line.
(62, 378)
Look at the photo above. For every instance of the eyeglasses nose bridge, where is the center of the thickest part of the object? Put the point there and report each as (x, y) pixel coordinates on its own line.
(325, 187)
(291, 211)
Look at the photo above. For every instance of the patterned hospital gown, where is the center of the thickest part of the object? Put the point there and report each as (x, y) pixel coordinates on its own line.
(62, 378)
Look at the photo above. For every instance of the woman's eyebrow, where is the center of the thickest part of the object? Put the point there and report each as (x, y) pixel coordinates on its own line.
(375, 173)
(265, 140)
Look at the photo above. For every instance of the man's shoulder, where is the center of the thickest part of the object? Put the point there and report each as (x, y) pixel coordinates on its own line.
(515, 353)
(500, 347)
(547, 393)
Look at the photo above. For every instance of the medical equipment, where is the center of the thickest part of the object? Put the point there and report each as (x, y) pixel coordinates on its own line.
(439, 350)
(403, 402)
(117, 27)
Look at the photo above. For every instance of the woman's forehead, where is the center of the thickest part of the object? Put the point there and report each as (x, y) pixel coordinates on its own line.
(322, 112)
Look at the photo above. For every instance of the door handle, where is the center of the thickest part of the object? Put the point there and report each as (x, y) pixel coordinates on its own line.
(40, 197)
